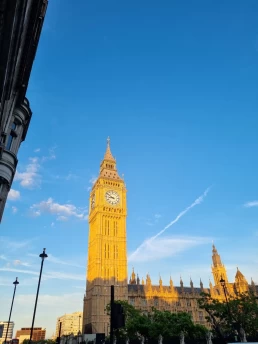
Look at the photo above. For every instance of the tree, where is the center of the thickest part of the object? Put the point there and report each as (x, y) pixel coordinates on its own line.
(43, 341)
(226, 317)
(137, 324)
(156, 323)
(172, 324)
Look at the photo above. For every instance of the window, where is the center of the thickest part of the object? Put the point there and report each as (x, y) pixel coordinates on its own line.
(106, 227)
(188, 303)
(11, 136)
(115, 228)
(132, 302)
(201, 316)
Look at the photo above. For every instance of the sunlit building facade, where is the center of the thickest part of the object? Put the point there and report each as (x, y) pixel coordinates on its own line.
(3, 330)
(70, 324)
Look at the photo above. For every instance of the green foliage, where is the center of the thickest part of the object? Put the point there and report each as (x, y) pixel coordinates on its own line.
(238, 312)
(44, 341)
(156, 323)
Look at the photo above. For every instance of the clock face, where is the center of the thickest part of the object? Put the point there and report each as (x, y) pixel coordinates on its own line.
(112, 197)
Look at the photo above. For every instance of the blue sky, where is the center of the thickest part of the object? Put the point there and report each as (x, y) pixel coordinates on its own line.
(174, 84)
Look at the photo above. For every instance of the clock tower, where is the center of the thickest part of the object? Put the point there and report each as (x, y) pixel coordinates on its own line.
(107, 255)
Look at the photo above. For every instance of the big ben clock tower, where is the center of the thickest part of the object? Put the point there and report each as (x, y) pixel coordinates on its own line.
(107, 256)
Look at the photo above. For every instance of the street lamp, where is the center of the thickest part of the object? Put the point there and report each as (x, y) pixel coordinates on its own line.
(15, 285)
(80, 323)
(233, 323)
(223, 284)
(43, 255)
(59, 335)
(79, 332)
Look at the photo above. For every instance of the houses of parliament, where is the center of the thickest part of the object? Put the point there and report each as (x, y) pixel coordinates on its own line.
(107, 262)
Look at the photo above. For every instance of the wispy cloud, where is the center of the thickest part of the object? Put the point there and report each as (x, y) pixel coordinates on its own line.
(153, 221)
(30, 178)
(18, 262)
(147, 242)
(37, 150)
(61, 211)
(166, 247)
(14, 210)
(64, 276)
(22, 271)
(58, 261)
(71, 176)
(62, 218)
(11, 245)
(92, 181)
(49, 275)
(251, 204)
(14, 195)
(51, 155)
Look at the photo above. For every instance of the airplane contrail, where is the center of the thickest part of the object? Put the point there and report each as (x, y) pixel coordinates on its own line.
(182, 213)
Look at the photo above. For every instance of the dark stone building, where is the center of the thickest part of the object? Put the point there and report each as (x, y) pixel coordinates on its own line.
(20, 28)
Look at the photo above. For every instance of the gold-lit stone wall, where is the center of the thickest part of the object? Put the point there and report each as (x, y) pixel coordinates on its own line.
(107, 255)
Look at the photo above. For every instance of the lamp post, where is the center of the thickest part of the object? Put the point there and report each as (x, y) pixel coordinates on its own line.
(233, 322)
(14, 291)
(80, 323)
(59, 334)
(43, 255)
(223, 284)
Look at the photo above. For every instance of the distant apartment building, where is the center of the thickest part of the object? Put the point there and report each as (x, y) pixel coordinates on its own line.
(70, 323)
(39, 333)
(3, 330)
(21, 22)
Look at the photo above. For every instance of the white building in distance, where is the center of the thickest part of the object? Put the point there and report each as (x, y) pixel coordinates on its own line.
(3, 329)
(70, 324)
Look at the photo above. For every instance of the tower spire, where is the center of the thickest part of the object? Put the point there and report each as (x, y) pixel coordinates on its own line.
(218, 269)
(108, 154)
(108, 165)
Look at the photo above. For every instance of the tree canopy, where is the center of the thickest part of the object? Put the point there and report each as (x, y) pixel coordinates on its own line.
(155, 323)
(228, 317)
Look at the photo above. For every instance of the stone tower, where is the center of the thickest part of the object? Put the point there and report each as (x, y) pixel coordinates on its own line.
(218, 269)
(107, 255)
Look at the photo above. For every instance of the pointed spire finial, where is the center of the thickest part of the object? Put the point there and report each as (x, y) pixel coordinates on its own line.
(108, 154)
